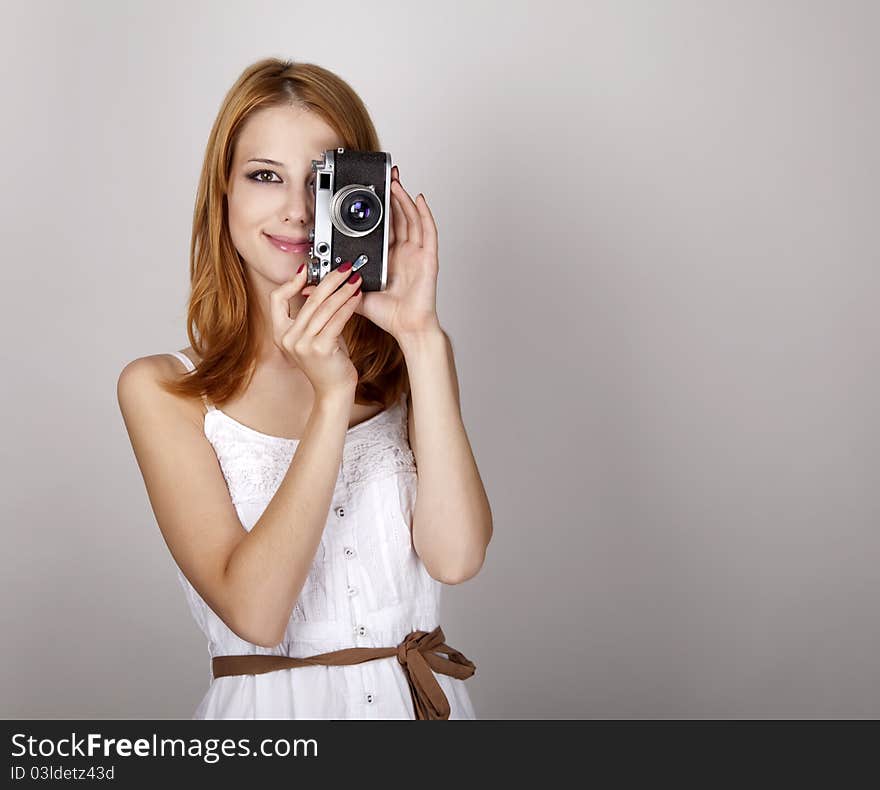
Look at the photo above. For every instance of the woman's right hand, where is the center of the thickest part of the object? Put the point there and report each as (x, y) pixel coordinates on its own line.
(313, 341)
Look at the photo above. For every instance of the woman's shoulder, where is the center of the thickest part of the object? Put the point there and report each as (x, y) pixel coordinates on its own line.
(188, 352)
(144, 376)
(163, 363)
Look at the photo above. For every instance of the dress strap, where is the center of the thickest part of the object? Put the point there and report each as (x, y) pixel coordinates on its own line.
(190, 368)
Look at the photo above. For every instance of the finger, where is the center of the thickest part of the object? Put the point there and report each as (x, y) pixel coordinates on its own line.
(324, 313)
(336, 323)
(310, 289)
(413, 222)
(279, 298)
(322, 291)
(429, 227)
(398, 218)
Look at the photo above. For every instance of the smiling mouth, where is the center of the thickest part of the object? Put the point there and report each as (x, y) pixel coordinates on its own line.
(289, 246)
(287, 239)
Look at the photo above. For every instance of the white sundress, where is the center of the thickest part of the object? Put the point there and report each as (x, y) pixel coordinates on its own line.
(367, 587)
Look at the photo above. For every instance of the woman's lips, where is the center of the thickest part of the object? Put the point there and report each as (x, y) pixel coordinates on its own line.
(287, 246)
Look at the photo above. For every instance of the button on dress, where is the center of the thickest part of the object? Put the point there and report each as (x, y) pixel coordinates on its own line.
(366, 587)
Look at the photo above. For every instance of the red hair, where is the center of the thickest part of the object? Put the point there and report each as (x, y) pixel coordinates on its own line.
(223, 321)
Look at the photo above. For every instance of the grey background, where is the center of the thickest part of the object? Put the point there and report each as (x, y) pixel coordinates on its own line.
(659, 269)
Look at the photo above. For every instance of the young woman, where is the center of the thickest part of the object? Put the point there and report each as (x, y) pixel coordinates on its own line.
(312, 530)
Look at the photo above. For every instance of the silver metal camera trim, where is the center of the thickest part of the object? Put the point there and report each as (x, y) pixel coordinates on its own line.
(336, 209)
(319, 264)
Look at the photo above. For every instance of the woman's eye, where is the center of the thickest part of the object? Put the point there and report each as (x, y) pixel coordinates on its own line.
(255, 175)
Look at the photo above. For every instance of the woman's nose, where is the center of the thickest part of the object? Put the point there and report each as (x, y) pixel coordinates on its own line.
(300, 205)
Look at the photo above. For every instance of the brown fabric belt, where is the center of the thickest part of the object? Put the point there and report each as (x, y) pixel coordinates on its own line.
(418, 654)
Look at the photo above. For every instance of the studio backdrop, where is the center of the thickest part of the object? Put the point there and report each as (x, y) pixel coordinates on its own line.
(659, 273)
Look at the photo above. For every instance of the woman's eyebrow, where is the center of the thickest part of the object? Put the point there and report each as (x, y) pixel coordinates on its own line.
(277, 164)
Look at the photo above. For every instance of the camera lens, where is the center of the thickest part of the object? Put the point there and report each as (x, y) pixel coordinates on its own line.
(356, 210)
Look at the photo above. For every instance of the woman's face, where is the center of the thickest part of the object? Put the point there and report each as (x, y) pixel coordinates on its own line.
(262, 195)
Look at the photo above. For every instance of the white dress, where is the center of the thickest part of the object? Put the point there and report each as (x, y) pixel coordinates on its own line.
(367, 587)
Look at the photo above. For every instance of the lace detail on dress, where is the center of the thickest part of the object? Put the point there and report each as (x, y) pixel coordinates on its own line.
(382, 448)
(254, 464)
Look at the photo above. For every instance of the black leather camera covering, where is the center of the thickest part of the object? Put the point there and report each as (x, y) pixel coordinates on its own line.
(362, 167)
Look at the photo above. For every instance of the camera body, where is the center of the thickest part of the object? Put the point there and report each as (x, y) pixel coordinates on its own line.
(352, 212)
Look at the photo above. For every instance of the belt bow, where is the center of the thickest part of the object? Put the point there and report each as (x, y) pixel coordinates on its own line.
(418, 654)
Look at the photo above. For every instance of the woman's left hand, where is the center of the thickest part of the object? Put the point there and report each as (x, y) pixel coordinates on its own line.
(408, 305)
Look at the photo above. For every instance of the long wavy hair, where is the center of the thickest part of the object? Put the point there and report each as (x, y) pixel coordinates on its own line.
(223, 319)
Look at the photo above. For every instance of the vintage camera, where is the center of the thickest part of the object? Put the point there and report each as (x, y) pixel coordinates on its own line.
(352, 210)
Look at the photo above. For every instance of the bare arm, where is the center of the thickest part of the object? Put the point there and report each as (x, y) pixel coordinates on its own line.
(452, 519)
(251, 580)
(271, 563)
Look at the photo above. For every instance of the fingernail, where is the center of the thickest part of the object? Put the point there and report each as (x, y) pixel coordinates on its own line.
(345, 266)
(354, 278)
(300, 268)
